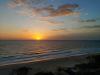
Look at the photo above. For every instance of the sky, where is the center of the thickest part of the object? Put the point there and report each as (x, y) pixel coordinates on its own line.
(49, 19)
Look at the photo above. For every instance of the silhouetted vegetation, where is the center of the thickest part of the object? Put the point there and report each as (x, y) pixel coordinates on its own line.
(90, 68)
(21, 71)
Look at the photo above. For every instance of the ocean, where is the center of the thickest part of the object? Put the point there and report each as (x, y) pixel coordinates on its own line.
(12, 52)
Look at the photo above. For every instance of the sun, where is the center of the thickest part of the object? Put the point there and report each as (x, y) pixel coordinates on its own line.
(37, 37)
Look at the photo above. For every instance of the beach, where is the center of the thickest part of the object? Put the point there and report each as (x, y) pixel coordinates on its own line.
(46, 65)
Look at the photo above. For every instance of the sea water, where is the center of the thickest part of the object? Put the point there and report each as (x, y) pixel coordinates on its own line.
(12, 52)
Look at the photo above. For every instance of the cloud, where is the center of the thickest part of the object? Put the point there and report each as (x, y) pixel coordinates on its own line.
(28, 1)
(39, 8)
(42, 10)
(88, 20)
(54, 22)
(94, 26)
(62, 10)
(61, 29)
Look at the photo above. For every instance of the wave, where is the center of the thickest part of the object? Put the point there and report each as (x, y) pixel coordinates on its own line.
(7, 60)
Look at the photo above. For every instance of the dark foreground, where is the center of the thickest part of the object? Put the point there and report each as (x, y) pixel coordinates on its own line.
(91, 67)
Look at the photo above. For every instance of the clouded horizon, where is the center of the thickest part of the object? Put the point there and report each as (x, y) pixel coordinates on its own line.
(50, 19)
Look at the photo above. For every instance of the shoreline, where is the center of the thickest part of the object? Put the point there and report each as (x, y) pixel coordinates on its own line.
(44, 60)
(47, 57)
(48, 65)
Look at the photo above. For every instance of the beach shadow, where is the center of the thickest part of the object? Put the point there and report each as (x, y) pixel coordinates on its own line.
(44, 73)
(65, 71)
(21, 71)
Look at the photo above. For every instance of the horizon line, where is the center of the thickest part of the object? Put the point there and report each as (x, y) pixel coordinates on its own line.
(56, 40)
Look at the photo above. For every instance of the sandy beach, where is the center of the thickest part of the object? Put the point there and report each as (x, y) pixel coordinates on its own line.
(46, 66)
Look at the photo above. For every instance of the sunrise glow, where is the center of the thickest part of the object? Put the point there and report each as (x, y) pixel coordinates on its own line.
(49, 20)
(37, 37)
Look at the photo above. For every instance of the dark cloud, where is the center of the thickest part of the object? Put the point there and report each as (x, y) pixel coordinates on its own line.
(85, 36)
(37, 7)
(61, 29)
(94, 26)
(88, 20)
(63, 10)
(28, 1)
